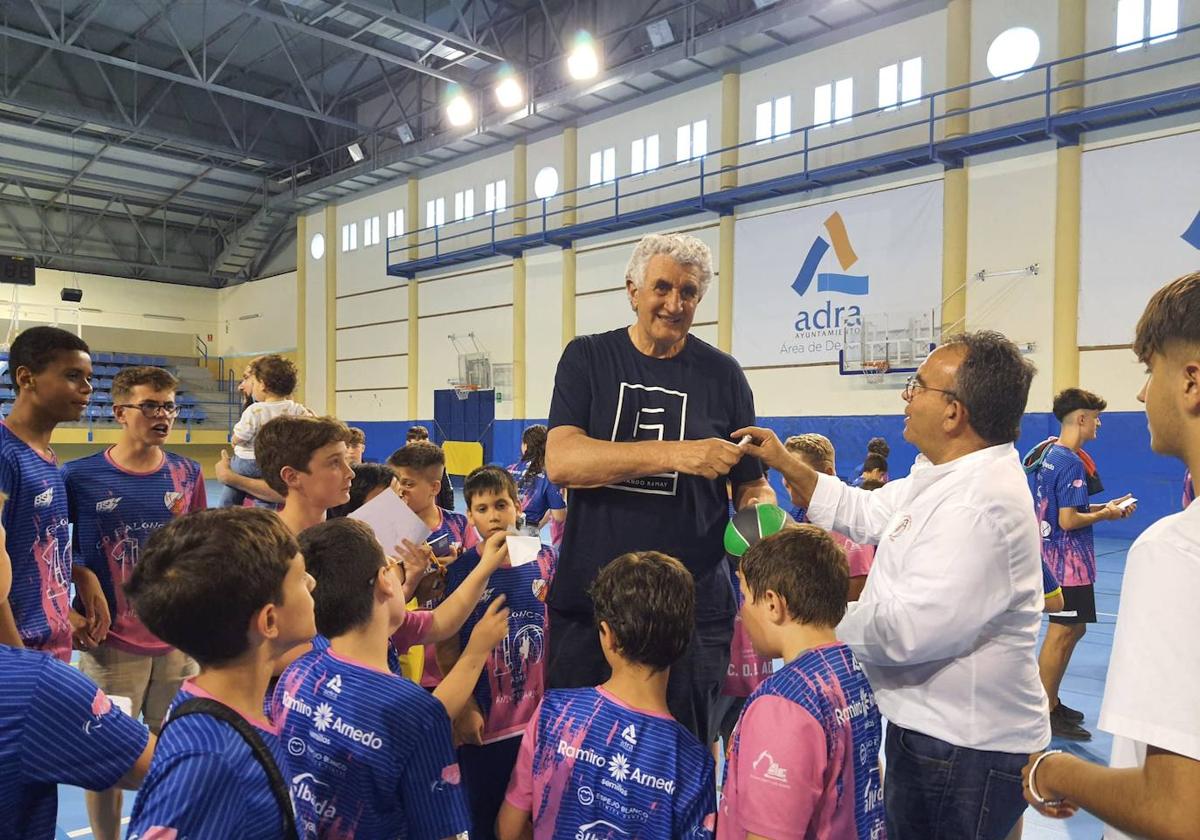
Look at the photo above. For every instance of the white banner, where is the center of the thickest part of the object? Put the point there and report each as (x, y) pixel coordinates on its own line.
(1139, 229)
(803, 275)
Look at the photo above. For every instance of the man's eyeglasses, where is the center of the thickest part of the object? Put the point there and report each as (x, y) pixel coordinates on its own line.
(914, 384)
(150, 410)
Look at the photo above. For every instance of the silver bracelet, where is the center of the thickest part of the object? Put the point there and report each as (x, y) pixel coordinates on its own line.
(1051, 803)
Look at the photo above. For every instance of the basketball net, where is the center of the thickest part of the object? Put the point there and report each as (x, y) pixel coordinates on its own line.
(875, 370)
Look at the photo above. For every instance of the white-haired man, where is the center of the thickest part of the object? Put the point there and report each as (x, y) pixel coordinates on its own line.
(639, 430)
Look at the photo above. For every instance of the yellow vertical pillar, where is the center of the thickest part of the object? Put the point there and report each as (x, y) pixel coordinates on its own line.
(954, 180)
(570, 183)
(302, 299)
(519, 287)
(730, 120)
(331, 252)
(1067, 209)
(412, 218)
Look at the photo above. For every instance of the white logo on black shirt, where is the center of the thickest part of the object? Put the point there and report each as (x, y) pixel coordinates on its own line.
(647, 412)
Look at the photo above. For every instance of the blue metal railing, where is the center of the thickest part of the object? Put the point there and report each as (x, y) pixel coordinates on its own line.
(201, 347)
(230, 391)
(513, 235)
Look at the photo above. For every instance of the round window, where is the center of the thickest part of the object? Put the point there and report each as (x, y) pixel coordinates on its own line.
(545, 185)
(316, 246)
(1013, 52)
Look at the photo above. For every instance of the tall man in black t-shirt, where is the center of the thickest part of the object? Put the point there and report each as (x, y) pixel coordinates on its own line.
(640, 426)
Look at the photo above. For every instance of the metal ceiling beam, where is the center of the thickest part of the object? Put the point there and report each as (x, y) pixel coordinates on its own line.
(189, 81)
(404, 21)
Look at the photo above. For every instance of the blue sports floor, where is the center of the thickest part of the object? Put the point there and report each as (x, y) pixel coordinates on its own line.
(1082, 689)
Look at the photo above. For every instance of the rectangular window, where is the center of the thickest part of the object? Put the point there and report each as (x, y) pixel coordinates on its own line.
(822, 105)
(691, 141)
(464, 205)
(773, 119)
(370, 231)
(349, 237)
(602, 166)
(643, 155)
(435, 212)
(395, 223)
(495, 196)
(843, 100)
(1138, 20)
(900, 84)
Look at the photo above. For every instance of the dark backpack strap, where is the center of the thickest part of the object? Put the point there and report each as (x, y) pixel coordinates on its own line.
(279, 787)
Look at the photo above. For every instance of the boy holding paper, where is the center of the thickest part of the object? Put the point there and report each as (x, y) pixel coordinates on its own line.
(505, 700)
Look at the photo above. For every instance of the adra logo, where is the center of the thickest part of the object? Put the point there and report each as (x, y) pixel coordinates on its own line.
(830, 317)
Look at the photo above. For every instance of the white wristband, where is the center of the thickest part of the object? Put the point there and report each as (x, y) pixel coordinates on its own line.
(1033, 789)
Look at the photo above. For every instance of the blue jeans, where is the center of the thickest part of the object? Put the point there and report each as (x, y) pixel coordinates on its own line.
(231, 496)
(937, 791)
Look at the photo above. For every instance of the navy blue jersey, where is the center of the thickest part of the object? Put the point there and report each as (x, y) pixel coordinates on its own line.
(371, 755)
(56, 727)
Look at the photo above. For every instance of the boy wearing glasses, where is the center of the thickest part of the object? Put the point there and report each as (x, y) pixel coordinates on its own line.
(116, 499)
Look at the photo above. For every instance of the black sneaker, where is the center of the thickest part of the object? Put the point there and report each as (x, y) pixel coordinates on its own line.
(1061, 727)
(1067, 713)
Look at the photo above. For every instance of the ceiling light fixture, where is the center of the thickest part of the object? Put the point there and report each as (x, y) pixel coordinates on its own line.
(584, 61)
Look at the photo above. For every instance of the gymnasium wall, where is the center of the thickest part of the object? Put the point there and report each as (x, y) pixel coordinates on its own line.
(1011, 209)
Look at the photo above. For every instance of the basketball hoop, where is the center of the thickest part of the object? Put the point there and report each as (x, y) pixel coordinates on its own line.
(462, 390)
(874, 371)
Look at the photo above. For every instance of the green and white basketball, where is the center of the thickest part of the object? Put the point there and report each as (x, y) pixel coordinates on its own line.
(752, 524)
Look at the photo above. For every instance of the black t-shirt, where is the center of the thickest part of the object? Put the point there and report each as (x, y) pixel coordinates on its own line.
(606, 387)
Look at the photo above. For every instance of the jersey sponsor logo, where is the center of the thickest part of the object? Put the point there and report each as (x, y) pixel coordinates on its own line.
(1046, 528)
(583, 754)
(44, 499)
(333, 688)
(586, 796)
(857, 708)
(174, 501)
(771, 770)
(539, 590)
(295, 746)
(618, 767)
(108, 505)
(647, 412)
(308, 788)
(101, 706)
(295, 704)
(629, 735)
(322, 717)
(600, 830)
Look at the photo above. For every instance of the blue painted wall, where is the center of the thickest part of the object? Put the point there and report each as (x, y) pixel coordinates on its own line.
(1122, 453)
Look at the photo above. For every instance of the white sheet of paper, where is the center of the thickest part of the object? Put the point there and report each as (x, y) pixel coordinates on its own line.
(522, 550)
(125, 704)
(392, 521)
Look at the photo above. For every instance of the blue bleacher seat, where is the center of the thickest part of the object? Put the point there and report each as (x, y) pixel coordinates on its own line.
(160, 361)
(4, 355)
(100, 397)
(185, 400)
(198, 415)
(7, 394)
(104, 358)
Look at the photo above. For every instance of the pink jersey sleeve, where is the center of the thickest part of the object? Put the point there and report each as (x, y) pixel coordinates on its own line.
(778, 781)
(414, 629)
(520, 784)
(860, 558)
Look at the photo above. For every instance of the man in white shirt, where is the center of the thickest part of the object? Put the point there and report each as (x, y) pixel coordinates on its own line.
(1152, 787)
(947, 625)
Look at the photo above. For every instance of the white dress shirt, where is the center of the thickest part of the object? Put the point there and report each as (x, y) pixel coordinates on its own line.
(947, 625)
(1154, 672)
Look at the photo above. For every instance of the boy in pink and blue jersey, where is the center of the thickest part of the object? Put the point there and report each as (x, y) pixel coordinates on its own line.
(51, 371)
(610, 762)
(228, 587)
(371, 754)
(118, 498)
(804, 758)
(540, 500)
(507, 694)
(420, 468)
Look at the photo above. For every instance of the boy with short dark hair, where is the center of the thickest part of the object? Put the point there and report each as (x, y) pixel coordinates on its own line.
(357, 445)
(51, 372)
(117, 499)
(419, 467)
(805, 755)
(375, 757)
(587, 750)
(1059, 482)
(227, 587)
(506, 698)
(306, 461)
(445, 498)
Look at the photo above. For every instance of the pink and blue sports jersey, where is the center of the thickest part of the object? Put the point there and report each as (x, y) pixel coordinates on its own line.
(538, 495)
(1050, 584)
(115, 512)
(39, 545)
(370, 753)
(513, 680)
(1061, 482)
(804, 757)
(56, 727)
(453, 529)
(747, 670)
(204, 782)
(595, 768)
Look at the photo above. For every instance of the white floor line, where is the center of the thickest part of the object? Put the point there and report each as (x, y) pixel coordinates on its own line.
(87, 832)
